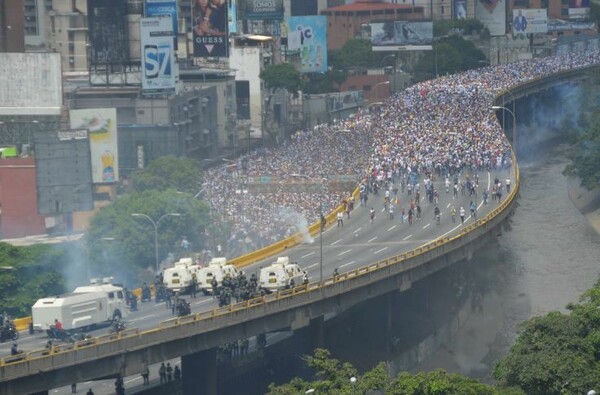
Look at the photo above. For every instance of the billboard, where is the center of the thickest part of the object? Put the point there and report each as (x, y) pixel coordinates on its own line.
(209, 28)
(63, 172)
(579, 9)
(107, 27)
(264, 9)
(530, 21)
(395, 35)
(492, 13)
(561, 26)
(30, 84)
(232, 16)
(308, 34)
(460, 9)
(158, 58)
(101, 124)
(163, 8)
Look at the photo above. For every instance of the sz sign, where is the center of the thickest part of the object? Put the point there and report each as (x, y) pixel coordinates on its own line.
(158, 74)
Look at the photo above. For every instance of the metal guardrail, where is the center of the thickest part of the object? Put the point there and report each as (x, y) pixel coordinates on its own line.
(267, 299)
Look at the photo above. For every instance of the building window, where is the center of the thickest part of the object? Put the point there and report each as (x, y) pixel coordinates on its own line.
(442, 10)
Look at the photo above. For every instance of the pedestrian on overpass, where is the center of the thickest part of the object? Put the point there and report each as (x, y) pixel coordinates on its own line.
(461, 212)
(340, 219)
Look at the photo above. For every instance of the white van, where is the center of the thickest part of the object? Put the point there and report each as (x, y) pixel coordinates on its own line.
(217, 269)
(279, 275)
(179, 277)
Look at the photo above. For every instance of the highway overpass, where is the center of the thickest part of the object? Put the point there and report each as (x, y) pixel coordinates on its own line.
(363, 276)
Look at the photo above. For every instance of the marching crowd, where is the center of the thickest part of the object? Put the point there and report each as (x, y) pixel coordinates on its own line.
(437, 127)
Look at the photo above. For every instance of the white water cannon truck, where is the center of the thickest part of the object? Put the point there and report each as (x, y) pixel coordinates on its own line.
(100, 302)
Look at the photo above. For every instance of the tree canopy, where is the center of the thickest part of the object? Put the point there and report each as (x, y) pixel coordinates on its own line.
(334, 377)
(132, 250)
(282, 75)
(585, 154)
(451, 54)
(37, 272)
(181, 174)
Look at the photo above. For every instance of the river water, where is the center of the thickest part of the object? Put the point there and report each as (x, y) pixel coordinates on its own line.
(547, 260)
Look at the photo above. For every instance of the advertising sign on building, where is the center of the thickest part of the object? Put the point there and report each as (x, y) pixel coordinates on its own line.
(232, 16)
(209, 27)
(158, 58)
(101, 124)
(107, 27)
(30, 84)
(492, 13)
(400, 35)
(264, 9)
(530, 21)
(579, 9)
(163, 8)
(308, 35)
(460, 9)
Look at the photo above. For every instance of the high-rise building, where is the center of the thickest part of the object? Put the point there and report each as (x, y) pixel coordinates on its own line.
(12, 35)
(34, 14)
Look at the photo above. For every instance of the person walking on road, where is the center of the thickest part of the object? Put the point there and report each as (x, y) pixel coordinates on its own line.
(473, 208)
(372, 214)
(461, 212)
(146, 374)
(340, 219)
(162, 373)
(90, 392)
(453, 214)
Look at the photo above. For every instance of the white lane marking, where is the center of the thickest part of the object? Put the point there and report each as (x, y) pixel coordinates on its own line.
(391, 228)
(383, 209)
(407, 237)
(313, 265)
(448, 206)
(357, 230)
(347, 264)
(378, 251)
(370, 240)
(309, 254)
(203, 301)
(344, 252)
(141, 318)
(132, 380)
(335, 242)
(426, 226)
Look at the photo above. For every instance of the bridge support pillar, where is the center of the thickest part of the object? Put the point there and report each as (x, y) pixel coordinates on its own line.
(199, 373)
(317, 329)
(389, 317)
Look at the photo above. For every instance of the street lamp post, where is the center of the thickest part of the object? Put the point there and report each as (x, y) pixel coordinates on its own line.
(435, 42)
(155, 224)
(514, 128)
(379, 84)
(89, 248)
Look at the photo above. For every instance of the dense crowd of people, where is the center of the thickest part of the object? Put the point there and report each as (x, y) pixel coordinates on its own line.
(441, 126)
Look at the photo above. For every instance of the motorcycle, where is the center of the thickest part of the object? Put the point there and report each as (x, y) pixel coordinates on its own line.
(8, 333)
(117, 327)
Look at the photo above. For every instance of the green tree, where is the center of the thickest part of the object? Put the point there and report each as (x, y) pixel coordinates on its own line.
(553, 355)
(38, 272)
(283, 75)
(333, 377)
(354, 53)
(585, 155)
(132, 253)
(181, 174)
(451, 54)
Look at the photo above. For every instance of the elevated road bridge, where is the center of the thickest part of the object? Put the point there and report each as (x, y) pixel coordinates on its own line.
(372, 258)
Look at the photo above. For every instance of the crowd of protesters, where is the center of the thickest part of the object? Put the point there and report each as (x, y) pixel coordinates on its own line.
(440, 126)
